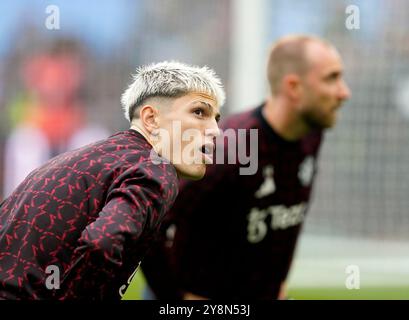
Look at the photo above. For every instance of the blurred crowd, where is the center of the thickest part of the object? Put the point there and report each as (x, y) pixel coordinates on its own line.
(61, 89)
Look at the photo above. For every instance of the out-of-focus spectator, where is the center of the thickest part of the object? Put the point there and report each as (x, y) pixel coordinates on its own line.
(49, 116)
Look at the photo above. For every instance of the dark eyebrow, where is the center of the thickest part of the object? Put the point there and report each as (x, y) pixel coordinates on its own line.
(334, 74)
(217, 117)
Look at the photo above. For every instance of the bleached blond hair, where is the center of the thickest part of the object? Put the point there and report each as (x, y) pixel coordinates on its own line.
(170, 80)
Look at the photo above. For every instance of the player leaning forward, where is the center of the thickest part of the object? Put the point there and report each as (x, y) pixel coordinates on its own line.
(90, 213)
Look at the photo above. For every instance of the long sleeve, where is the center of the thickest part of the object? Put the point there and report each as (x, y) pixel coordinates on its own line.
(110, 247)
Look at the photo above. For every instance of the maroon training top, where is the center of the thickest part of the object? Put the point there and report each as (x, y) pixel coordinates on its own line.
(91, 213)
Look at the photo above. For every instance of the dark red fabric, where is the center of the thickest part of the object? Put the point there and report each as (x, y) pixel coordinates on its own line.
(91, 212)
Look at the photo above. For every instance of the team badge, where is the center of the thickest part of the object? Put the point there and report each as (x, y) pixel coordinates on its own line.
(306, 171)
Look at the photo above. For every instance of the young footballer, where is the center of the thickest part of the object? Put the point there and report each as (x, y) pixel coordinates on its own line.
(77, 227)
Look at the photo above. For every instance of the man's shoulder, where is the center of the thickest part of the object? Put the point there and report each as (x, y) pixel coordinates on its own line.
(135, 150)
(123, 146)
(130, 139)
(124, 151)
(247, 119)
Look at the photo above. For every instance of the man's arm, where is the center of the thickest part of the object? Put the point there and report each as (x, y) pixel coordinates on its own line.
(134, 206)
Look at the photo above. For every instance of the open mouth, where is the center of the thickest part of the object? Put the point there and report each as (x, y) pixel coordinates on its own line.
(207, 151)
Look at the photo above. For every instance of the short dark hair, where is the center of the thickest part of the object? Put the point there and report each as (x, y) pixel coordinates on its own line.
(288, 55)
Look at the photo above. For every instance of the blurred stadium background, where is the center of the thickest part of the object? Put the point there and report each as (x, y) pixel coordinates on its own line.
(61, 88)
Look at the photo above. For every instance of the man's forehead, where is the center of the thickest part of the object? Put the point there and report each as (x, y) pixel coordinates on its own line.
(207, 99)
(206, 96)
(324, 57)
(319, 50)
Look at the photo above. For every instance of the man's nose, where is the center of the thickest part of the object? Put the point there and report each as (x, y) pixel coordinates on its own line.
(345, 92)
(213, 130)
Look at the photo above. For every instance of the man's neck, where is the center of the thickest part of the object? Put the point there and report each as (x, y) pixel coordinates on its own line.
(284, 120)
(137, 127)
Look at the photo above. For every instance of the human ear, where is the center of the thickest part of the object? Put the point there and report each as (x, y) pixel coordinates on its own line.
(292, 86)
(148, 116)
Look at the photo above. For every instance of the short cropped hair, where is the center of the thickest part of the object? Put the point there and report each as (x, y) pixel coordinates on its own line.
(170, 80)
(288, 55)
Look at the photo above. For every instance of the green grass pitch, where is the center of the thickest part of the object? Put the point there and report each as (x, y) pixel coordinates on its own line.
(134, 292)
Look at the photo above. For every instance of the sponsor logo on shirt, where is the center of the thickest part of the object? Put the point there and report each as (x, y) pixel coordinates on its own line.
(282, 217)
